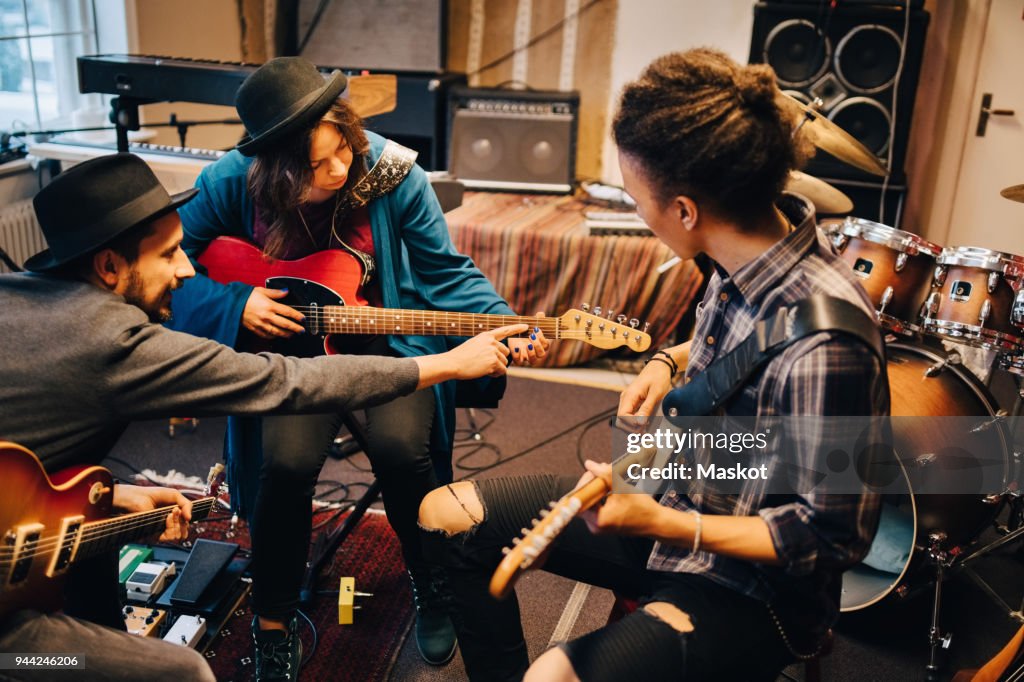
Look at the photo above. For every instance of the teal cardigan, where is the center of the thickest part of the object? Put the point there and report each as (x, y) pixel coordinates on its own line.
(417, 266)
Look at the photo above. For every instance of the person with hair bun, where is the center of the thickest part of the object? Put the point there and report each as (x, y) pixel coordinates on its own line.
(309, 178)
(730, 586)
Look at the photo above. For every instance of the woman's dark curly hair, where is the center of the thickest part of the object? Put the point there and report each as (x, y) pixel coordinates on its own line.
(281, 177)
(703, 126)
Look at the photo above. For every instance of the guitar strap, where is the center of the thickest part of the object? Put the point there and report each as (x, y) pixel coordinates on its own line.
(721, 379)
(394, 164)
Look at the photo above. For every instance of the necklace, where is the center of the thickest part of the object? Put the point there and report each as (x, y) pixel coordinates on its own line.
(366, 259)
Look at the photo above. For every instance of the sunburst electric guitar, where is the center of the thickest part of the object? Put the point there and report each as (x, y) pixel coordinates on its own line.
(325, 288)
(51, 522)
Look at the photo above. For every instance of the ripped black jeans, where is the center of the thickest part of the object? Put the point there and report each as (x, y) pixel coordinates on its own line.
(734, 636)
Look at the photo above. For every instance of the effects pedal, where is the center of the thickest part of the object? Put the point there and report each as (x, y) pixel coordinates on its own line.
(346, 600)
(143, 621)
(147, 580)
(186, 631)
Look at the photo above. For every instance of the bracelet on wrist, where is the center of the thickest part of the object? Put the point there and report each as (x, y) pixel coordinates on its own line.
(671, 369)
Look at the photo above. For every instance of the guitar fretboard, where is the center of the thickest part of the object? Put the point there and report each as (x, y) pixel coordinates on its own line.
(369, 320)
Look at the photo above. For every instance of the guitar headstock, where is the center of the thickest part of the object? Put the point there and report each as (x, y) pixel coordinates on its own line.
(528, 549)
(215, 480)
(604, 332)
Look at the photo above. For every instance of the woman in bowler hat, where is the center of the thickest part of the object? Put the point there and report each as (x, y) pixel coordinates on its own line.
(308, 177)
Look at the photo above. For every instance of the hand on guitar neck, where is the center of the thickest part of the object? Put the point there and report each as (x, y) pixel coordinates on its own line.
(482, 355)
(135, 498)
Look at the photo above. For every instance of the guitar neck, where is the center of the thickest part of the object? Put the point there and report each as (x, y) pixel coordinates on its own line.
(369, 320)
(110, 534)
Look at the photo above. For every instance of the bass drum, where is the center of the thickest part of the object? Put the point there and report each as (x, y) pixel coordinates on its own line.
(922, 384)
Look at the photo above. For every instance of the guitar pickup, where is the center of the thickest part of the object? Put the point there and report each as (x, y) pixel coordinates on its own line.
(68, 538)
(23, 541)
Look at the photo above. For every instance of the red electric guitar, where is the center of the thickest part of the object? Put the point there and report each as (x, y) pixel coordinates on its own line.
(49, 523)
(325, 288)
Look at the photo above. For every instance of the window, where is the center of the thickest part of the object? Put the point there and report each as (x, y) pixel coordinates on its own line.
(39, 40)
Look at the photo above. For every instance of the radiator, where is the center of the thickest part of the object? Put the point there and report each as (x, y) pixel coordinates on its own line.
(20, 235)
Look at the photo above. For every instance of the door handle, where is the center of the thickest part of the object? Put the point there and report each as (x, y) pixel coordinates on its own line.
(986, 111)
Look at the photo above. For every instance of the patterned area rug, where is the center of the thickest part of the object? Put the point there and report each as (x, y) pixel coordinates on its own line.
(362, 651)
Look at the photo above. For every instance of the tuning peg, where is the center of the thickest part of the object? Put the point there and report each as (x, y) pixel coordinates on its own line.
(590, 322)
(633, 322)
(609, 314)
(585, 307)
(647, 325)
(601, 326)
(506, 550)
(621, 319)
(597, 310)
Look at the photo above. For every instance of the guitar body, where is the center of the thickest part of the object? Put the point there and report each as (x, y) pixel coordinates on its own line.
(49, 523)
(35, 506)
(330, 277)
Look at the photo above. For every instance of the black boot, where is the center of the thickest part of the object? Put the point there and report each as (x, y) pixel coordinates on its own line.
(278, 652)
(435, 634)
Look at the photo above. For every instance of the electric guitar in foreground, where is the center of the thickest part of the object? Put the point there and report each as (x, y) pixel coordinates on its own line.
(49, 523)
(325, 288)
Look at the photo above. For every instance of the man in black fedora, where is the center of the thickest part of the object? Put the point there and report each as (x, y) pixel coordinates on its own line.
(85, 355)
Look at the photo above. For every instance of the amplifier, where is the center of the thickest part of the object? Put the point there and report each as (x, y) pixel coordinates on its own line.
(513, 140)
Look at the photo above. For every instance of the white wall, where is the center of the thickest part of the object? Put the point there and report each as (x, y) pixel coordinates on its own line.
(650, 28)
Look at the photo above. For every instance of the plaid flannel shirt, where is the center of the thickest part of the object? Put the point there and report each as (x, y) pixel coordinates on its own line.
(816, 536)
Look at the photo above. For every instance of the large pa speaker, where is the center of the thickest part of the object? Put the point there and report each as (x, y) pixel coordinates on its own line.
(420, 118)
(514, 140)
(850, 57)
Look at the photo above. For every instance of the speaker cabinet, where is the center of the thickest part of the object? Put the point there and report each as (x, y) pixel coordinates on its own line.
(514, 140)
(419, 120)
(850, 58)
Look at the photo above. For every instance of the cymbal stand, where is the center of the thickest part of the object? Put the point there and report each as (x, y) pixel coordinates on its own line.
(1013, 531)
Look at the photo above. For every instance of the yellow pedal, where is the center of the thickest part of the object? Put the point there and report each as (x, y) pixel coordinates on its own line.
(347, 600)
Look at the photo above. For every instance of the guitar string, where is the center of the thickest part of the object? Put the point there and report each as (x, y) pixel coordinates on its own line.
(113, 526)
(107, 527)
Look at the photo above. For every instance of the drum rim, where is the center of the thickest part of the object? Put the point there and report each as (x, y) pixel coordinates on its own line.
(972, 335)
(885, 235)
(1008, 264)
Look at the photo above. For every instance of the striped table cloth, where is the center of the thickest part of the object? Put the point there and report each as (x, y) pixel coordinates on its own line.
(536, 251)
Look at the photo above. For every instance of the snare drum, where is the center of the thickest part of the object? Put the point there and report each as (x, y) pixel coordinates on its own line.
(894, 267)
(975, 299)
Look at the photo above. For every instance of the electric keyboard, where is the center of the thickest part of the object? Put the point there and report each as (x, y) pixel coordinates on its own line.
(158, 78)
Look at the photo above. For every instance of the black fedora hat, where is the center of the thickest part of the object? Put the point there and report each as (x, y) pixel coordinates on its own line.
(281, 97)
(85, 207)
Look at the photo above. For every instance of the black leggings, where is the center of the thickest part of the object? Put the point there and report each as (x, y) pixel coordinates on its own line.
(294, 450)
(734, 636)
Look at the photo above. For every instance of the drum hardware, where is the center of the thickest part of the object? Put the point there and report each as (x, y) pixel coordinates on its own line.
(999, 418)
(936, 640)
(951, 360)
(886, 298)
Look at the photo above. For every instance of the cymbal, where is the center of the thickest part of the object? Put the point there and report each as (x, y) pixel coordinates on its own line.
(829, 137)
(1015, 193)
(825, 197)
(372, 94)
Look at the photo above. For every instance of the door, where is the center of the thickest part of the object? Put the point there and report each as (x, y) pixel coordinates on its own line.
(995, 159)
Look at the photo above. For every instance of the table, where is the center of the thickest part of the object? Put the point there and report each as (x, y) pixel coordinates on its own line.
(537, 252)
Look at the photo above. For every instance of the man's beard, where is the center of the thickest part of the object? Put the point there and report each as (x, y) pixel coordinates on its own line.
(135, 294)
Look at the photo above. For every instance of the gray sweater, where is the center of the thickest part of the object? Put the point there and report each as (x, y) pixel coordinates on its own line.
(78, 363)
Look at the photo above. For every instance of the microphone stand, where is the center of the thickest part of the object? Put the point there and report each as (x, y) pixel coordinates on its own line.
(125, 114)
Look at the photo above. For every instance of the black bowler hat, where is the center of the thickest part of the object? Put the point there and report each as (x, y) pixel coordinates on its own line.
(285, 95)
(87, 206)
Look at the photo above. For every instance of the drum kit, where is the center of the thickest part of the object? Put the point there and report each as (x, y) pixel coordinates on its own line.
(954, 319)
